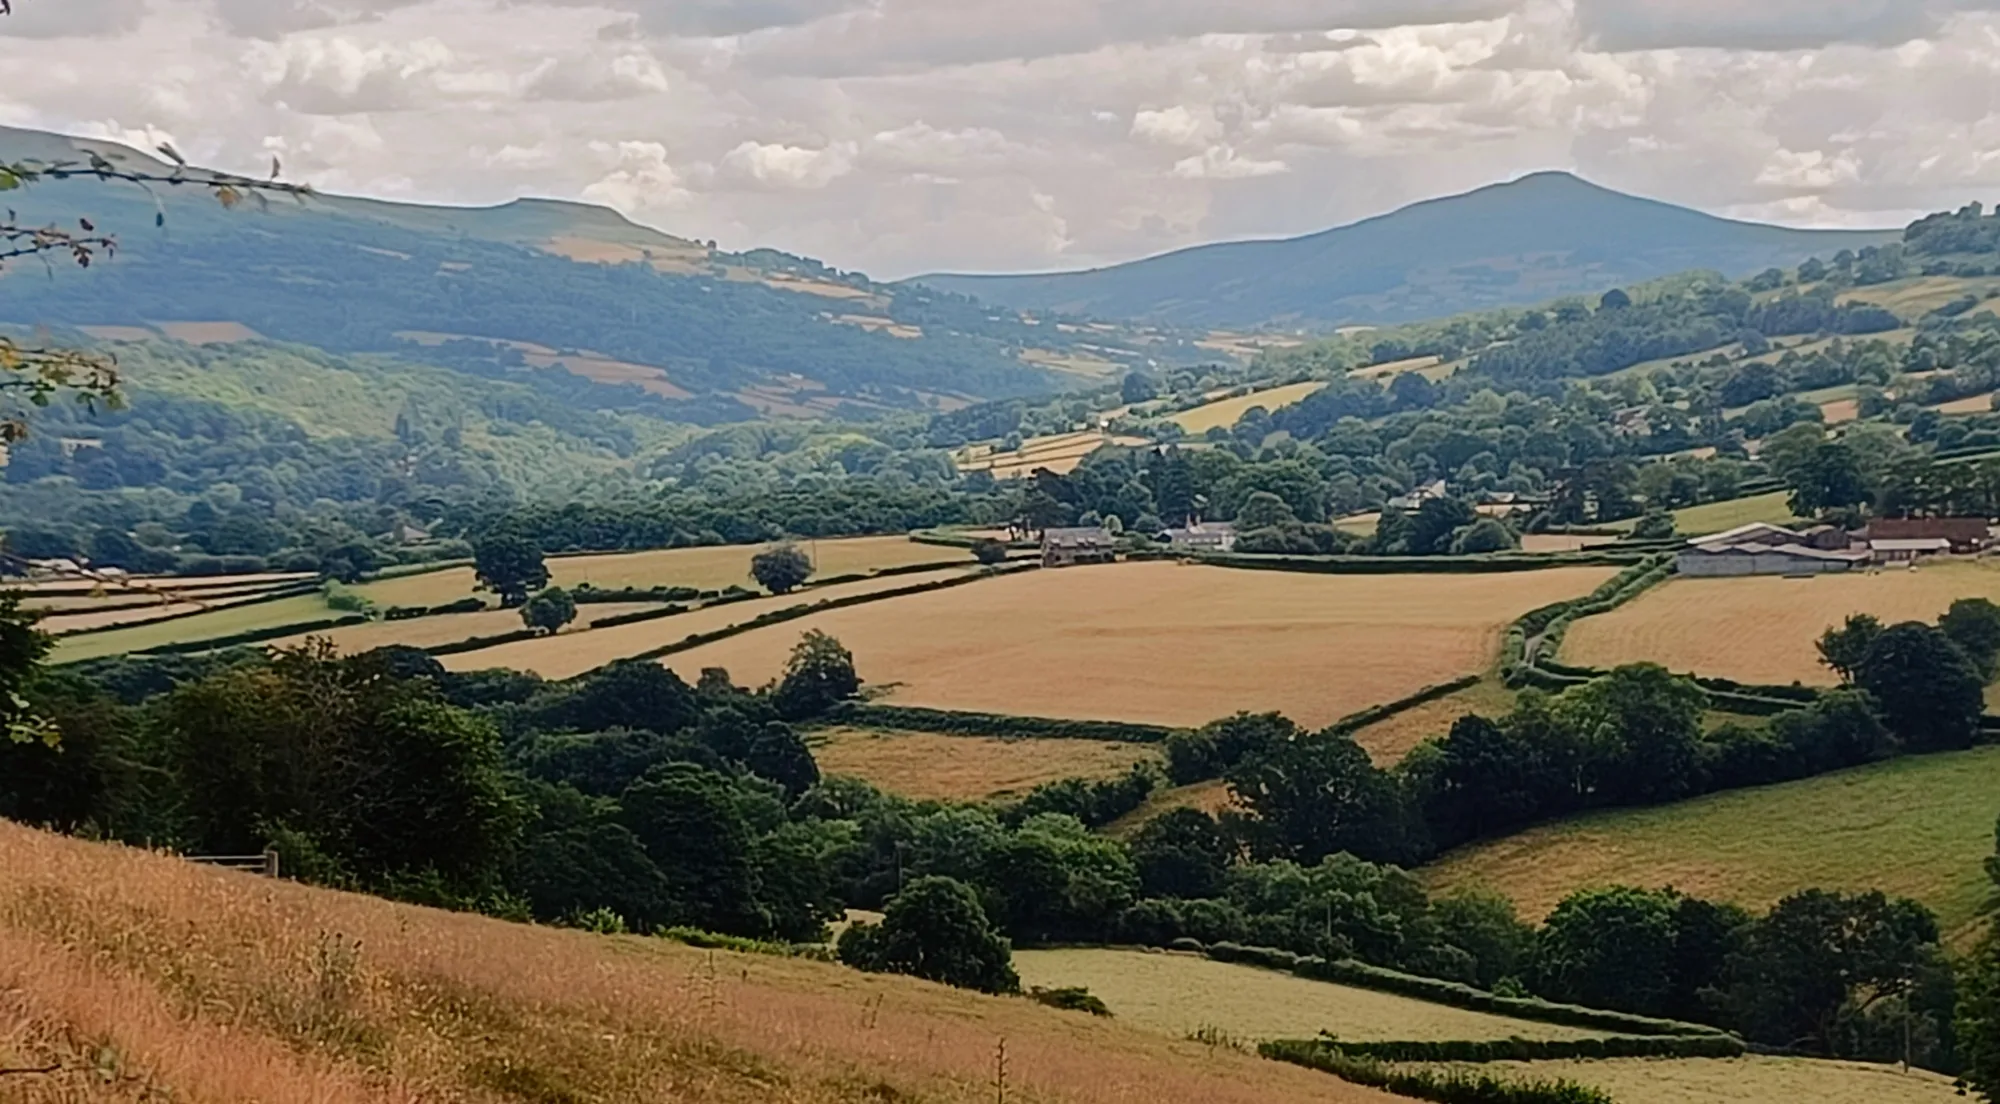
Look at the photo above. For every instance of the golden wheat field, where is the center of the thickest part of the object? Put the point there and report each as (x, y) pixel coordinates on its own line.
(1762, 629)
(1388, 741)
(1178, 994)
(925, 765)
(451, 628)
(1753, 1079)
(1166, 643)
(574, 653)
(1227, 412)
(711, 567)
(144, 978)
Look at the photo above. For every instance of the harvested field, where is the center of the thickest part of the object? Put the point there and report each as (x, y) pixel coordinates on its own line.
(1060, 453)
(711, 567)
(1918, 827)
(1167, 643)
(1971, 404)
(1177, 994)
(1228, 412)
(1387, 742)
(1840, 410)
(1562, 542)
(223, 622)
(76, 620)
(925, 765)
(1753, 1079)
(575, 653)
(1717, 517)
(141, 585)
(310, 996)
(1396, 368)
(450, 628)
(1212, 797)
(1762, 628)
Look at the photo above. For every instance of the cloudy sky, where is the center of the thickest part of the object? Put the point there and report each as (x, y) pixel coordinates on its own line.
(900, 136)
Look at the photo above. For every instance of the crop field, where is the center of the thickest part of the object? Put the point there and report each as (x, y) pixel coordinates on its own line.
(1227, 412)
(1060, 453)
(223, 622)
(1718, 517)
(1918, 827)
(1211, 797)
(1971, 404)
(75, 620)
(1753, 1079)
(101, 945)
(450, 628)
(46, 593)
(1762, 628)
(574, 653)
(711, 567)
(1177, 994)
(1919, 295)
(1387, 742)
(1394, 368)
(926, 766)
(1166, 643)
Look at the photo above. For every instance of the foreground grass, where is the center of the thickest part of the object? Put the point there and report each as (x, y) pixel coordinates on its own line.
(1177, 994)
(222, 622)
(1748, 1080)
(143, 977)
(1918, 827)
(926, 765)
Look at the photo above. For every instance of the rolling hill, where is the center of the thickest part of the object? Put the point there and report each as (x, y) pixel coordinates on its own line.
(527, 286)
(1527, 241)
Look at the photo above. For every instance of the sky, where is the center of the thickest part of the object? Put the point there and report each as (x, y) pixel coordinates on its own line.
(898, 137)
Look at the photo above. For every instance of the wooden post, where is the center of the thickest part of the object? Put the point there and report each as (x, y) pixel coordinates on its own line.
(270, 862)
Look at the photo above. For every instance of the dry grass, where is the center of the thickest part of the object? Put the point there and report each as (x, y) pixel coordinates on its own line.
(1562, 542)
(925, 765)
(1762, 628)
(1971, 404)
(1212, 797)
(1748, 1080)
(1060, 453)
(1228, 412)
(574, 653)
(78, 619)
(1396, 368)
(1167, 643)
(1840, 410)
(146, 978)
(142, 585)
(1387, 742)
(450, 628)
(1177, 994)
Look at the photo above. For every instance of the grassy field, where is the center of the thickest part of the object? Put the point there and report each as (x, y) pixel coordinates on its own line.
(1167, 643)
(1717, 517)
(1212, 797)
(1919, 295)
(78, 618)
(223, 622)
(1918, 827)
(574, 653)
(1177, 994)
(1763, 628)
(1387, 742)
(707, 568)
(307, 995)
(1060, 453)
(1394, 368)
(1749, 1080)
(925, 765)
(450, 628)
(1226, 412)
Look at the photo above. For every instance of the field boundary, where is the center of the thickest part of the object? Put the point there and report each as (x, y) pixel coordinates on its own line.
(1376, 714)
(1002, 726)
(1406, 565)
(253, 636)
(295, 590)
(1517, 1049)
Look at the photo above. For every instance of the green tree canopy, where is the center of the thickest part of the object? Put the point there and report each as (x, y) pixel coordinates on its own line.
(781, 570)
(818, 676)
(510, 565)
(549, 610)
(934, 929)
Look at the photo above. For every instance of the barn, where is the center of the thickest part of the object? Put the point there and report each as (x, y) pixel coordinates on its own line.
(1761, 549)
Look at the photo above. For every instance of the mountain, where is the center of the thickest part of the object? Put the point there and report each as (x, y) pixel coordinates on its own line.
(1533, 239)
(527, 287)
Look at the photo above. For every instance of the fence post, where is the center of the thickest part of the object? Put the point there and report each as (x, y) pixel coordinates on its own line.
(270, 862)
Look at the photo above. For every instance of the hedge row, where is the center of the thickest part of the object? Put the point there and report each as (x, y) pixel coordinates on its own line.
(947, 722)
(1360, 975)
(888, 572)
(475, 643)
(1547, 624)
(1539, 1050)
(1445, 1088)
(1375, 714)
(1422, 565)
(468, 604)
(292, 591)
(584, 592)
(637, 616)
(253, 636)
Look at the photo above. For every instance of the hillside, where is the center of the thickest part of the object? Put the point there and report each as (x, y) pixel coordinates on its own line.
(1530, 240)
(535, 285)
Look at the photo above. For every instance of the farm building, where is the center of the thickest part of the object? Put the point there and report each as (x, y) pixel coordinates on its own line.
(1210, 536)
(1963, 534)
(1410, 502)
(1067, 547)
(1908, 550)
(1761, 549)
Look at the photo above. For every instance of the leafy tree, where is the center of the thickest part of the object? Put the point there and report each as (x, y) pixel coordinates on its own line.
(1641, 727)
(1484, 535)
(1609, 948)
(989, 551)
(1182, 853)
(1263, 510)
(1435, 523)
(781, 570)
(1654, 525)
(1487, 778)
(1977, 1019)
(1319, 795)
(549, 610)
(1930, 694)
(934, 929)
(1843, 649)
(1136, 388)
(509, 564)
(1203, 754)
(1615, 299)
(818, 676)
(1484, 925)
(1974, 625)
(693, 826)
(627, 694)
(1830, 479)
(1821, 959)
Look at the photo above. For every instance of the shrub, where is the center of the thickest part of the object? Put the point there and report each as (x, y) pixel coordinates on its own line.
(1070, 1000)
(1445, 1088)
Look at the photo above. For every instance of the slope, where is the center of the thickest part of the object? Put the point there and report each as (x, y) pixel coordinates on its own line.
(1533, 239)
(140, 976)
(559, 285)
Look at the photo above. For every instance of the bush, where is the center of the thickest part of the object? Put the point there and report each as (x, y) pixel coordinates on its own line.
(1544, 1050)
(1070, 1000)
(1445, 1088)
(947, 722)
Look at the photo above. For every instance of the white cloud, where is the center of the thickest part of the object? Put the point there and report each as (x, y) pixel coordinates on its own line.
(1176, 126)
(1223, 163)
(640, 181)
(781, 166)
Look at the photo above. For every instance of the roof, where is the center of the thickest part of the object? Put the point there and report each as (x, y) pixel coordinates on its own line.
(1954, 528)
(1083, 536)
(1761, 548)
(1756, 530)
(1914, 544)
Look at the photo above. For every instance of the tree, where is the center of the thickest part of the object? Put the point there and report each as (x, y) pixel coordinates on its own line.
(1319, 795)
(1263, 510)
(1482, 536)
(1136, 388)
(1974, 625)
(1820, 960)
(1829, 479)
(781, 570)
(1977, 1019)
(1483, 924)
(934, 929)
(1844, 648)
(509, 564)
(1930, 694)
(1436, 523)
(692, 826)
(989, 551)
(818, 676)
(549, 610)
(1641, 729)
(1615, 299)
(1182, 853)
(1654, 525)
(1609, 948)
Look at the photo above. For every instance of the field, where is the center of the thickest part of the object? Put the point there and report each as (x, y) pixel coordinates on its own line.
(1748, 1080)
(203, 985)
(1918, 827)
(450, 628)
(1562, 542)
(1177, 994)
(78, 618)
(1717, 517)
(574, 653)
(926, 766)
(1919, 295)
(1211, 797)
(1762, 628)
(1387, 742)
(1166, 643)
(1226, 412)
(1428, 365)
(1060, 453)
(222, 622)
(1971, 404)
(707, 568)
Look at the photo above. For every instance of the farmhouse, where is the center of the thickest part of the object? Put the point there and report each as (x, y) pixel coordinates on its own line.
(1210, 536)
(1409, 502)
(1962, 534)
(1068, 547)
(1761, 549)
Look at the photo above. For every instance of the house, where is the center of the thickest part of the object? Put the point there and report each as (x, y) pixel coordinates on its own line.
(1068, 547)
(1907, 550)
(1204, 536)
(1406, 503)
(1965, 534)
(1761, 549)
